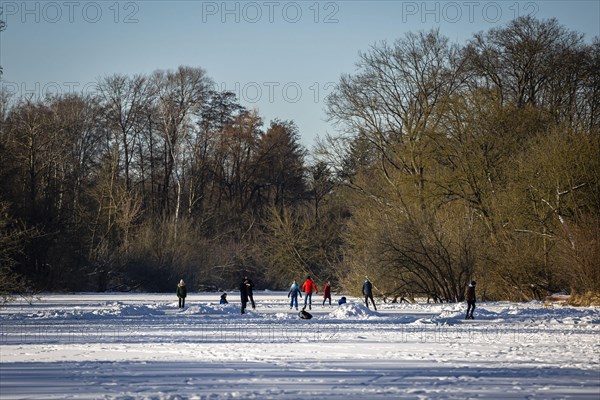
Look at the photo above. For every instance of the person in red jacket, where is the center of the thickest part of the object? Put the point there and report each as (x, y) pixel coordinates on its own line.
(327, 293)
(308, 288)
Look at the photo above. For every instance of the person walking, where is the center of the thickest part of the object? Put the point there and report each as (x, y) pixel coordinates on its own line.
(327, 293)
(181, 293)
(470, 297)
(250, 286)
(308, 287)
(243, 296)
(367, 291)
(293, 294)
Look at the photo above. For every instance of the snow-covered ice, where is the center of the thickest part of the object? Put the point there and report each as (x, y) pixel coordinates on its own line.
(130, 346)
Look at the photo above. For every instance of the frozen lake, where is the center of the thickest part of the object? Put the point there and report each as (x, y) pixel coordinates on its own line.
(129, 346)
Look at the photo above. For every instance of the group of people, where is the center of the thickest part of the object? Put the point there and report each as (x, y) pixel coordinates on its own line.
(308, 288)
(246, 294)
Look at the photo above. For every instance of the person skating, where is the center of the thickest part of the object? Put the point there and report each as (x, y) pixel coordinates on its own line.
(470, 297)
(243, 296)
(367, 291)
(181, 293)
(293, 294)
(250, 287)
(308, 287)
(327, 293)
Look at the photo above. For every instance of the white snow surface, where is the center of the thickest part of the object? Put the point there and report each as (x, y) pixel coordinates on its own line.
(141, 346)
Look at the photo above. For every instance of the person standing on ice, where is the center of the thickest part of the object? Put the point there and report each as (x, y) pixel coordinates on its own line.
(250, 286)
(243, 296)
(308, 287)
(293, 294)
(367, 291)
(327, 293)
(181, 293)
(470, 297)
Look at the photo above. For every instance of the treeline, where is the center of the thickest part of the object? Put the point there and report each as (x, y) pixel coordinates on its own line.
(151, 179)
(479, 161)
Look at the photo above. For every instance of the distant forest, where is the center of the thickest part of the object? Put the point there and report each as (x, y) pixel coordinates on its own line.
(453, 162)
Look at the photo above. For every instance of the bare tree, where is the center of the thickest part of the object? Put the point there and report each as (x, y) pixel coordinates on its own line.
(2, 28)
(219, 112)
(397, 98)
(179, 96)
(529, 62)
(125, 100)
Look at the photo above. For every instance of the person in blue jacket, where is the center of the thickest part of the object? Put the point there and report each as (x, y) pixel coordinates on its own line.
(293, 294)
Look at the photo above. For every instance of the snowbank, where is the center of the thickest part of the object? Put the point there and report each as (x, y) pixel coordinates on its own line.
(501, 312)
(353, 311)
(212, 309)
(106, 310)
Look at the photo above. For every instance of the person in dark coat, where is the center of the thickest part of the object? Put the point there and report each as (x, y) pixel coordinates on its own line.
(470, 297)
(342, 300)
(250, 286)
(223, 299)
(367, 291)
(327, 293)
(243, 296)
(181, 293)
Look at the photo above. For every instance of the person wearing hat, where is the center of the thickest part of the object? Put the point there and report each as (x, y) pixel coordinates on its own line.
(470, 297)
(181, 293)
(367, 291)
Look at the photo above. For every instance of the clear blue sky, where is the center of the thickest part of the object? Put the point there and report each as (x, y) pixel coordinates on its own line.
(281, 57)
